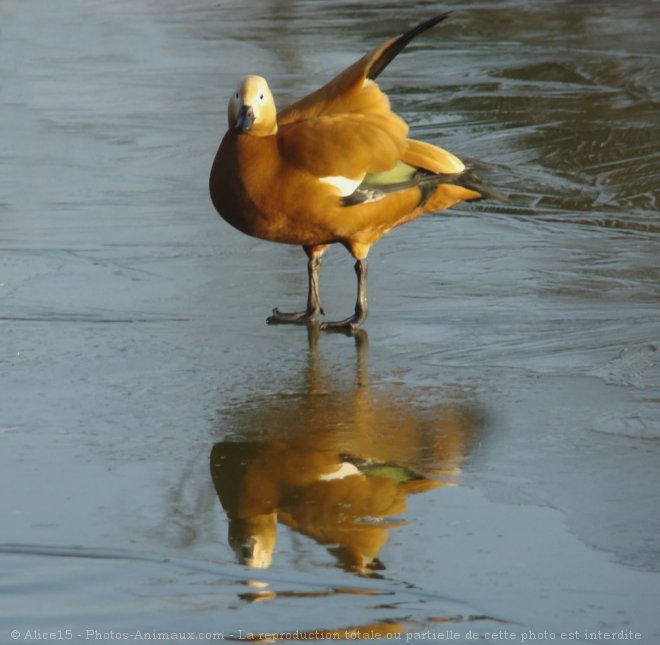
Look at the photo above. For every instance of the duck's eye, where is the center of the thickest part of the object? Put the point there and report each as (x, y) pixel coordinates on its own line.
(261, 97)
(236, 95)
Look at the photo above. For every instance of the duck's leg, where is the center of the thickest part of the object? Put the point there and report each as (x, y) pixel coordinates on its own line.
(360, 315)
(314, 308)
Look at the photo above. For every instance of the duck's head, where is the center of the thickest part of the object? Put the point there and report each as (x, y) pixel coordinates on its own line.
(252, 108)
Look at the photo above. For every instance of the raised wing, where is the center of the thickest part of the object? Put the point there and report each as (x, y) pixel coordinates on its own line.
(343, 92)
(346, 128)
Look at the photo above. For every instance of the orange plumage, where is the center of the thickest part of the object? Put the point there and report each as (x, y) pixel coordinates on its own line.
(334, 167)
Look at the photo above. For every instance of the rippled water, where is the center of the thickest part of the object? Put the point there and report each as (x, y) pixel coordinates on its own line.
(483, 458)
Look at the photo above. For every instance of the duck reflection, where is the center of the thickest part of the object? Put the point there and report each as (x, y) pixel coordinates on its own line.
(335, 461)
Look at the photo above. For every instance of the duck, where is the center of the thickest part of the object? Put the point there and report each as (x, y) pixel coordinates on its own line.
(335, 167)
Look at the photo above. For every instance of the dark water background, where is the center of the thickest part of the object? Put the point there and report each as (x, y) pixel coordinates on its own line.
(511, 349)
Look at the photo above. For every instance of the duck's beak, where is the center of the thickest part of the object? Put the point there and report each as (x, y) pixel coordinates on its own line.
(245, 119)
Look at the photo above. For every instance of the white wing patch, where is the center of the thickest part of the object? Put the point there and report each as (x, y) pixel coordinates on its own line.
(344, 185)
(346, 469)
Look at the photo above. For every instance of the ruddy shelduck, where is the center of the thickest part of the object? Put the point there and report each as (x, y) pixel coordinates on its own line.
(334, 167)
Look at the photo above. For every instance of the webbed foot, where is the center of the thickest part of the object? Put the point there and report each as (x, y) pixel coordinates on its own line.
(349, 324)
(294, 318)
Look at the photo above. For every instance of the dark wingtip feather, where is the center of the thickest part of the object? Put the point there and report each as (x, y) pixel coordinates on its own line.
(389, 54)
(469, 180)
